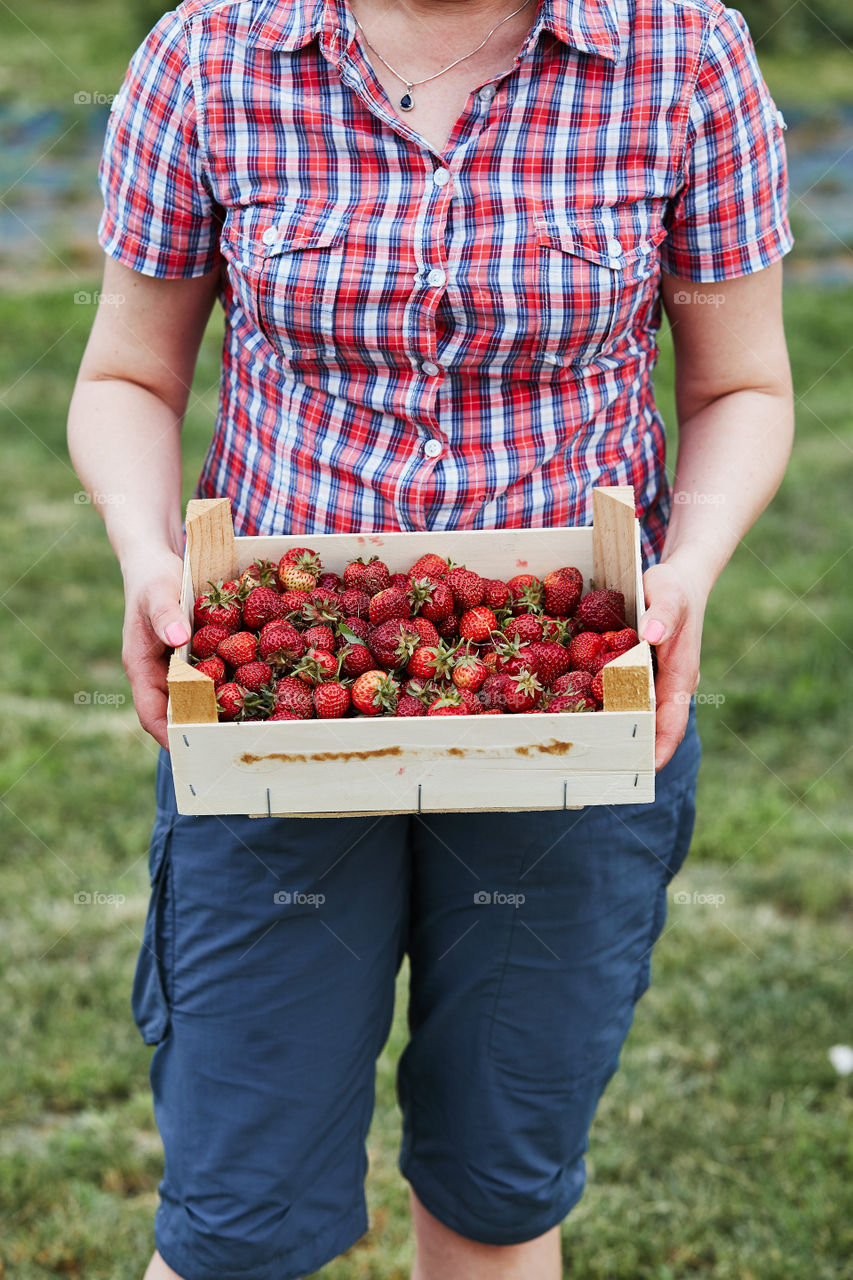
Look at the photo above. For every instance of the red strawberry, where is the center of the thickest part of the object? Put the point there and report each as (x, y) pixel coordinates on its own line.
(322, 606)
(617, 642)
(469, 672)
(319, 637)
(213, 667)
(448, 627)
(526, 626)
(293, 700)
(473, 705)
(293, 604)
(317, 665)
(493, 691)
(559, 629)
(522, 692)
(576, 682)
(597, 688)
(602, 611)
(550, 659)
(356, 659)
(261, 573)
(449, 704)
(280, 643)
(429, 566)
(207, 639)
(391, 602)
(305, 558)
(329, 582)
(400, 580)
(229, 701)
(353, 629)
(238, 648)
(585, 650)
(562, 590)
(331, 700)
(356, 602)
(392, 643)
(261, 606)
(477, 624)
(409, 705)
(495, 593)
(425, 629)
(374, 693)
(468, 588)
(218, 607)
(253, 675)
(525, 592)
(491, 711)
(432, 661)
(572, 702)
(432, 600)
(376, 577)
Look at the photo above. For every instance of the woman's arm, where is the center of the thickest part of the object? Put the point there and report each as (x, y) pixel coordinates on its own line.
(735, 412)
(124, 429)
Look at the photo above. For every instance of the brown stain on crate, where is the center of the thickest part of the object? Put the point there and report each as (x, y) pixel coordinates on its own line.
(552, 748)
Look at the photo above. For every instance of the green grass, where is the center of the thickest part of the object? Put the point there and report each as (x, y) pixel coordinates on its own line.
(722, 1148)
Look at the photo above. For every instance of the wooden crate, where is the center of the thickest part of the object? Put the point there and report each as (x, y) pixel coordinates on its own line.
(424, 765)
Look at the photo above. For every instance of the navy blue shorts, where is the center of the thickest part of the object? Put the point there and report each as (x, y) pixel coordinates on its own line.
(266, 980)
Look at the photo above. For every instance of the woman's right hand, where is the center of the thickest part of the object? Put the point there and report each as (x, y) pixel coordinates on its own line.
(154, 624)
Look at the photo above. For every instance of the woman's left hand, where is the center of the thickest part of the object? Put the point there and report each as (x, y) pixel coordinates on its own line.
(675, 604)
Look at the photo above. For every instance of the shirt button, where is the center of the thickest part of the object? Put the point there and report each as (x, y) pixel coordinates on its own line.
(780, 120)
(432, 448)
(487, 92)
(441, 177)
(270, 235)
(614, 247)
(436, 277)
(430, 368)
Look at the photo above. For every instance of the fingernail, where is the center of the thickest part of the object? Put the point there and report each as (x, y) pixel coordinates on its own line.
(654, 632)
(176, 634)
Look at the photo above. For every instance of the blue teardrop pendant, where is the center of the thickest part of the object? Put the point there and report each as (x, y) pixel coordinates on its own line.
(407, 101)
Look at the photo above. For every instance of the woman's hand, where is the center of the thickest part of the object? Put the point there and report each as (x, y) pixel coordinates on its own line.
(673, 624)
(153, 625)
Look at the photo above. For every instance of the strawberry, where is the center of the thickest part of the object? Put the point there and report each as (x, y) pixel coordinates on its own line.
(562, 590)
(392, 643)
(206, 640)
(331, 700)
(525, 592)
(585, 650)
(597, 688)
(477, 624)
(491, 711)
(376, 577)
(425, 629)
(572, 702)
(432, 661)
(409, 705)
(319, 637)
(391, 602)
(280, 643)
(576, 682)
(522, 692)
(305, 558)
(550, 660)
(229, 701)
(329, 582)
(293, 699)
(492, 694)
(374, 692)
(558, 629)
(469, 672)
(602, 611)
(261, 606)
(217, 607)
(449, 704)
(617, 642)
(322, 606)
(252, 675)
(356, 659)
(473, 705)
(416, 687)
(317, 665)
(400, 580)
(238, 648)
(261, 573)
(495, 593)
(432, 600)
(468, 588)
(293, 577)
(355, 602)
(429, 566)
(526, 626)
(448, 627)
(213, 667)
(293, 602)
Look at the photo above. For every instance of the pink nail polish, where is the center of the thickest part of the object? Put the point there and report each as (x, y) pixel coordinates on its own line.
(654, 632)
(176, 634)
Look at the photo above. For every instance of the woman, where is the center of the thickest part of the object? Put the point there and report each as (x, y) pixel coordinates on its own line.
(442, 232)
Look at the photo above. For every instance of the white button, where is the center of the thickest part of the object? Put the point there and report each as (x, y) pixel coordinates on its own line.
(429, 367)
(780, 120)
(487, 92)
(441, 177)
(270, 235)
(549, 358)
(436, 277)
(614, 247)
(432, 448)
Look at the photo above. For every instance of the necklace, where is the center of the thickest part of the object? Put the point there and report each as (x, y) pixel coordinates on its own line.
(407, 101)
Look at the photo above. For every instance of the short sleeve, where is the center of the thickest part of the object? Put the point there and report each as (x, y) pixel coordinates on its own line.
(159, 217)
(730, 216)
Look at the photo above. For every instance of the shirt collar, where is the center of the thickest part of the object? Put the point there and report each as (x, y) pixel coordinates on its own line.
(589, 25)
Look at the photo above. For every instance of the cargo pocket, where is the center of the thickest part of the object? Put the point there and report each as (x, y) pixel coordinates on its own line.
(684, 817)
(150, 997)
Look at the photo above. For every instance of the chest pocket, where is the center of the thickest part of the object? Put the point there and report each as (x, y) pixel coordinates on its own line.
(597, 281)
(285, 263)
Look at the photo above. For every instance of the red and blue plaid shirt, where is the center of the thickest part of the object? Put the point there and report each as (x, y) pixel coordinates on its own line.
(418, 340)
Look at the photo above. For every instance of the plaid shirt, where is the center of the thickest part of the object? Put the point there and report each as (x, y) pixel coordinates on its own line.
(431, 341)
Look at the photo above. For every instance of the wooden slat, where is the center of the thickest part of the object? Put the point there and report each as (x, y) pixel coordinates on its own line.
(192, 695)
(211, 549)
(614, 543)
(627, 680)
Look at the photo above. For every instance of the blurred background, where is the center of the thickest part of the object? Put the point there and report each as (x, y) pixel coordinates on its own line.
(722, 1149)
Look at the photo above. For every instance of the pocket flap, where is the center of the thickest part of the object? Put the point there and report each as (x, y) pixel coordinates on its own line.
(611, 238)
(266, 231)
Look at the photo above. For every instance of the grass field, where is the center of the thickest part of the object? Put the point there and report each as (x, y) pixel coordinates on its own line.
(722, 1148)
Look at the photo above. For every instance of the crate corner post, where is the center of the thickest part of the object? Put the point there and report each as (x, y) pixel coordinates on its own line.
(192, 695)
(211, 548)
(628, 680)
